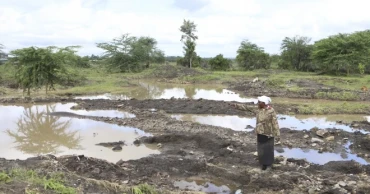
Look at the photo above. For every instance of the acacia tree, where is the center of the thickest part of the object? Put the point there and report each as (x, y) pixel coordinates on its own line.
(131, 54)
(41, 67)
(342, 52)
(188, 37)
(296, 53)
(250, 56)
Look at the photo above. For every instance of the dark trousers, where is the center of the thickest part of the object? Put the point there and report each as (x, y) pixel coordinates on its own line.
(265, 150)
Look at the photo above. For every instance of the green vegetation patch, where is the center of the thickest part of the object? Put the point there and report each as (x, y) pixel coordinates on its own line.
(143, 189)
(55, 181)
(334, 108)
(337, 95)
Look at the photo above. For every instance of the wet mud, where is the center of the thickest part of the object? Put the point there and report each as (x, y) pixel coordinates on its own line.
(190, 149)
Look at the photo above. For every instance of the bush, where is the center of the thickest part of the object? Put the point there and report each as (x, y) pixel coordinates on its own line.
(219, 63)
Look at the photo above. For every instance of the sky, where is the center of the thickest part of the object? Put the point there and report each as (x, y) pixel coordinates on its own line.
(221, 24)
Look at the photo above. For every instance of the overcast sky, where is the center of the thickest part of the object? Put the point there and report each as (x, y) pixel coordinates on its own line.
(222, 24)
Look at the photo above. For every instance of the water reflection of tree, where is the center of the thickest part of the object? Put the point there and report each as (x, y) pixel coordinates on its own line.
(190, 92)
(38, 133)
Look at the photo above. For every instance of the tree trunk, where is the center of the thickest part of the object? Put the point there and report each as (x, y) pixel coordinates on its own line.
(191, 58)
(28, 91)
(46, 89)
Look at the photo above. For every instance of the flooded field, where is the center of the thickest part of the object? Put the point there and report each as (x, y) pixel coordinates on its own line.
(315, 157)
(299, 122)
(148, 90)
(28, 131)
(179, 139)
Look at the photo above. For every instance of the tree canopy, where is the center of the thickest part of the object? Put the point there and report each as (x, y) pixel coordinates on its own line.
(342, 52)
(41, 67)
(250, 56)
(188, 28)
(296, 53)
(131, 54)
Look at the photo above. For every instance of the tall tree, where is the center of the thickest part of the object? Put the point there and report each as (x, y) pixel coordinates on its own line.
(41, 67)
(250, 56)
(296, 53)
(145, 48)
(188, 37)
(130, 53)
(342, 52)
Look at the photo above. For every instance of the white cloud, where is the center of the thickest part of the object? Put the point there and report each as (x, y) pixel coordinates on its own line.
(222, 24)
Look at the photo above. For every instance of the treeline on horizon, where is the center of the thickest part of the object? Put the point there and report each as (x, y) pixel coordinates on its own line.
(340, 54)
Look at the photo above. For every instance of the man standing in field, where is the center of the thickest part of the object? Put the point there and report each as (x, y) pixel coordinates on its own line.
(267, 129)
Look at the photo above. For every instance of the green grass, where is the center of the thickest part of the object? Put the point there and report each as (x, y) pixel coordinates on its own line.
(337, 95)
(54, 182)
(98, 80)
(143, 189)
(322, 107)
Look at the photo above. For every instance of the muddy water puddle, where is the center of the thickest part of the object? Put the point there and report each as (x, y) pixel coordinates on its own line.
(152, 90)
(203, 185)
(314, 156)
(16, 110)
(239, 123)
(27, 131)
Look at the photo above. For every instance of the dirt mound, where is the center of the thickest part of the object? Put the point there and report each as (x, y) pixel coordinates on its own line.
(345, 167)
(179, 106)
(360, 125)
(172, 71)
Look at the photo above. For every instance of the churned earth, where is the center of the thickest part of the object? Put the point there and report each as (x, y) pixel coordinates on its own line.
(200, 151)
(298, 88)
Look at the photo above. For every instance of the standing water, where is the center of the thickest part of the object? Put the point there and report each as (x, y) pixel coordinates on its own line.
(239, 123)
(28, 131)
(166, 91)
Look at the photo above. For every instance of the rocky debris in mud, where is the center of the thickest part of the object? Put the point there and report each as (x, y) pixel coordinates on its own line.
(364, 125)
(361, 143)
(49, 174)
(112, 144)
(116, 146)
(321, 132)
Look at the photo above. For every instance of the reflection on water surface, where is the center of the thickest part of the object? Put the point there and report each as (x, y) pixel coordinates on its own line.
(167, 91)
(239, 123)
(27, 132)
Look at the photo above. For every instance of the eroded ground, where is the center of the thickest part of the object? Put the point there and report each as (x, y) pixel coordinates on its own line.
(298, 88)
(207, 152)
